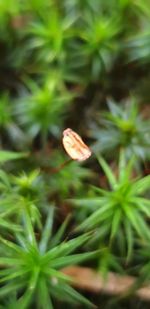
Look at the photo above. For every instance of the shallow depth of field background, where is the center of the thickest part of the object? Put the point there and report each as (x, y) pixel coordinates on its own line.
(83, 65)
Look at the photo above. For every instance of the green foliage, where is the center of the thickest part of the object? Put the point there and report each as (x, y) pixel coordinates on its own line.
(99, 42)
(29, 269)
(5, 111)
(59, 62)
(69, 178)
(27, 185)
(8, 8)
(122, 207)
(8, 207)
(49, 36)
(10, 155)
(34, 268)
(40, 109)
(108, 261)
(139, 46)
(7, 123)
(138, 43)
(19, 196)
(122, 127)
(143, 254)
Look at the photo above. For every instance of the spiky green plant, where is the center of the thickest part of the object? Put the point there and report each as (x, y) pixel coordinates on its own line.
(42, 108)
(7, 200)
(49, 36)
(123, 207)
(99, 42)
(123, 126)
(31, 270)
(20, 198)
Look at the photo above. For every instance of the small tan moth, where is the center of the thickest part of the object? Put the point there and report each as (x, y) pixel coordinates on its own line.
(74, 145)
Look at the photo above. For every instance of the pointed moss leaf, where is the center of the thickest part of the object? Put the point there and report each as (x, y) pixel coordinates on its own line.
(11, 287)
(47, 231)
(65, 248)
(116, 222)
(10, 155)
(43, 294)
(111, 178)
(59, 234)
(73, 259)
(97, 217)
(138, 223)
(76, 296)
(143, 205)
(10, 226)
(51, 272)
(129, 238)
(141, 185)
(16, 273)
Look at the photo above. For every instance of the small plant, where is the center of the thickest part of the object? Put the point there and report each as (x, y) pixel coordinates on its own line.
(42, 108)
(50, 35)
(99, 42)
(123, 207)
(31, 271)
(28, 185)
(20, 197)
(30, 263)
(123, 127)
